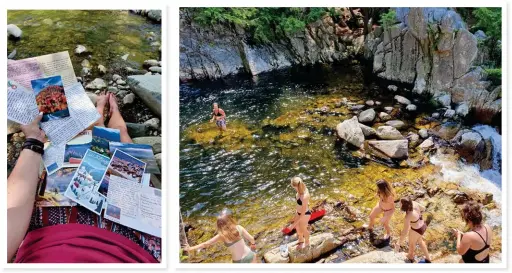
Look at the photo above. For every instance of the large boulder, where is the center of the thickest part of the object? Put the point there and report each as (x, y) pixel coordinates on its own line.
(398, 124)
(367, 130)
(426, 144)
(402, 100)
(14, 31)
(388, 133)
(96, 84)
(137, 129)
(385, 255)
(385, 116)
(155, 15)
(447, 130)
(464, 52)
(350, 131)
(319, 244)
(470, 145)
(413, 139)
(367, 116)
(395, 149)
(155, 142)
(149, 89)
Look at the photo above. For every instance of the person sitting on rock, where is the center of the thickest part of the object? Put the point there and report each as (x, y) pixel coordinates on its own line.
(219, 116)
(414, 221)
(474, 245)
(65, 234)
(232, 235)
(385, 205)
(302, 212)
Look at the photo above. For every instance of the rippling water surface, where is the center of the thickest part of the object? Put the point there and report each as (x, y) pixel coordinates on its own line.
(213, 178)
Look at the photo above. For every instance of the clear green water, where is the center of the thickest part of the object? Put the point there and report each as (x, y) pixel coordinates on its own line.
(107, 34)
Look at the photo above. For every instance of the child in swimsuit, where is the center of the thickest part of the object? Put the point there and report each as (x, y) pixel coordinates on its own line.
(474, 245)
(233, 235)
(414, 221)
(385, 205)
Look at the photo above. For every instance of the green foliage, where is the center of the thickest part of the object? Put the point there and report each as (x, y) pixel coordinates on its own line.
(489, 20)
(263, 24)
(494, 75)
(388, 19)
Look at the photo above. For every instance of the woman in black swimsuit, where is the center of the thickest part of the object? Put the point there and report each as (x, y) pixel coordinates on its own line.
(219, 116)
(414, 221)
(302, 213)
(474, 245)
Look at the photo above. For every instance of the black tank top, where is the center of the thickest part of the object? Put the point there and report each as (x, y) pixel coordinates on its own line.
(470, 255)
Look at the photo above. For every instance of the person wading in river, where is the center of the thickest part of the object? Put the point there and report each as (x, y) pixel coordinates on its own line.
(474, 245)
(414, 221)
(219, 116)
(302, 213)
(232, 235)
(385, 205)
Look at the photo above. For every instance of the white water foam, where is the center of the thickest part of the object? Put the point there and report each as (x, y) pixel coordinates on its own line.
(470, 176)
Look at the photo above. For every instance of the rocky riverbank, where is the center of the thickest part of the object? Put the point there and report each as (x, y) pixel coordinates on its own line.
(421, 149)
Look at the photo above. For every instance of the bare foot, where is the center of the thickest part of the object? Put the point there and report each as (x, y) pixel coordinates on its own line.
(101, 101)
(112, 101)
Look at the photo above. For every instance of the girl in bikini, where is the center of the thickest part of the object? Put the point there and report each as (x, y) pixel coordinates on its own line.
(385, 205)
(413, 221)
(219, 116)
(474, 245)
(302, 212)
(232, 235)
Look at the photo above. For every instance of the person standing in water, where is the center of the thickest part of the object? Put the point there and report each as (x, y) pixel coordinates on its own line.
(385, 205)
(232, 235)
(219, 116)
(414, 221)
(302, 214)
(474, 245)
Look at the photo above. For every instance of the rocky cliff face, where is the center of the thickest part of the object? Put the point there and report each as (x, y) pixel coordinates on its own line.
(218, 51)
(432, 49)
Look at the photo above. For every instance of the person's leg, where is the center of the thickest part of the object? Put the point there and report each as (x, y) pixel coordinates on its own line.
(116, 120)
(424, 248)
(413, 238)
(224, 125)
(305, 231)
(385, 222)
(300, 234)
(101, 102)
(255, 259)
(375, 211)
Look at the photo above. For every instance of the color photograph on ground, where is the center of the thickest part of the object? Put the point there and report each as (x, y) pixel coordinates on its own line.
(340, 135)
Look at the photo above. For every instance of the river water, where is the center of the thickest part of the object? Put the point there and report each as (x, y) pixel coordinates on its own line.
(212, 178)
(275, 132)
(107, 34)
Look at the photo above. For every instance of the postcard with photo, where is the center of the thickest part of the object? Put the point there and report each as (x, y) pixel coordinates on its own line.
(85, 182)
(144, 214)
(143, 152)
(74, 153)
(124, 166)
(56, 185)
(101, 137)
(50, 98)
